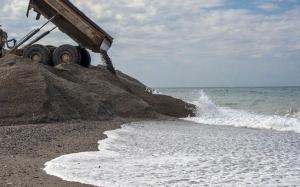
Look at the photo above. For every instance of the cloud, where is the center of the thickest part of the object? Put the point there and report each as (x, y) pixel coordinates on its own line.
(268, 6)
(13, 9)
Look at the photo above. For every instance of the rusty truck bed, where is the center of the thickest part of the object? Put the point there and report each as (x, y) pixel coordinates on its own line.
(73, 22)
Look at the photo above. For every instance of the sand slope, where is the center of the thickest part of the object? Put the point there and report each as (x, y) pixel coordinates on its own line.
(34, 93)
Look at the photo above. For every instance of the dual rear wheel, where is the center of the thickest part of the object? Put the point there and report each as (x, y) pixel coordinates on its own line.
(52, 56)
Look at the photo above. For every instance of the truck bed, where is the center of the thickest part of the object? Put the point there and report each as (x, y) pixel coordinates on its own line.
(74, 23)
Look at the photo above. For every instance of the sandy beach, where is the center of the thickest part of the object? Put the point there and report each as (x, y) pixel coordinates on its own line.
(25, 148)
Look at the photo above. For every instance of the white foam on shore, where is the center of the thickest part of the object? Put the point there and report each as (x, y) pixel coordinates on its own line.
(211, 114)
(185, 154)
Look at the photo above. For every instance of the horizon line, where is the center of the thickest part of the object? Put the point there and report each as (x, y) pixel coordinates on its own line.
(225, 86)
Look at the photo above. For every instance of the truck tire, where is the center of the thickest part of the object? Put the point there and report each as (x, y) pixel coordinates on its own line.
(85, 57)
(38, 53)
(66, 54)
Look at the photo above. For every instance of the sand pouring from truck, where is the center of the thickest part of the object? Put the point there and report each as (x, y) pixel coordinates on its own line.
(70, 20)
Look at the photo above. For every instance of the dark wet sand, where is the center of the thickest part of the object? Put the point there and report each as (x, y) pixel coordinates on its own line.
(24, 149)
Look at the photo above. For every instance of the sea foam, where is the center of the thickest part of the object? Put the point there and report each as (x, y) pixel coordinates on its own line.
(185, 154)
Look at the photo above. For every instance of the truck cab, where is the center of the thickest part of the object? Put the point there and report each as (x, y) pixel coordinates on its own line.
(4, 42)
(3, 39)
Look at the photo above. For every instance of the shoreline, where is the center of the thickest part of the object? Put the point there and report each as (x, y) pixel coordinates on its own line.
(229, 155)
(24, 149)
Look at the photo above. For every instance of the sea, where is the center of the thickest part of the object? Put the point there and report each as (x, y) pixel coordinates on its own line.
(239, 137)
(275, 108)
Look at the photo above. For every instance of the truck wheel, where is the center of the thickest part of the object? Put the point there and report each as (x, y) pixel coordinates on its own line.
(66, 54)
(38, 53)
(85, 57)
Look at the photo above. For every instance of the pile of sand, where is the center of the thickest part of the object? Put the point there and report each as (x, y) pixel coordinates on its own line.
(35, 93)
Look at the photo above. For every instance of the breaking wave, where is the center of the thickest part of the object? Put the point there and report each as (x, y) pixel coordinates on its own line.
(209, 113)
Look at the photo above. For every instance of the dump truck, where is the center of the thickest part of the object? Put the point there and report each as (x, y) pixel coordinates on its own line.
(69, 20)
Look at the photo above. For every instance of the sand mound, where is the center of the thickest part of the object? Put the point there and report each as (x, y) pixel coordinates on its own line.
(34, 93)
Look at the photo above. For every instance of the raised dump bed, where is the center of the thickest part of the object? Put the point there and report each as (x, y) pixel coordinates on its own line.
(73, 22)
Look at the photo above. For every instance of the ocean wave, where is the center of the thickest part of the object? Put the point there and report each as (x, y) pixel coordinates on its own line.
(209, 113)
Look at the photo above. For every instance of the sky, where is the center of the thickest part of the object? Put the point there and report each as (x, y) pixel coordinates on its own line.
(191, 43)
